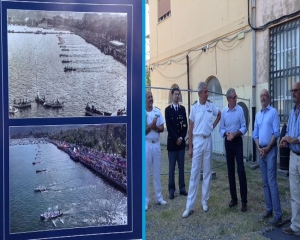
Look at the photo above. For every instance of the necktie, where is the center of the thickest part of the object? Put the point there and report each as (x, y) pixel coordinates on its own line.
(176, 108)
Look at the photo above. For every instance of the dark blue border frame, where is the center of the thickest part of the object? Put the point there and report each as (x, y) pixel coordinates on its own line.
(143, 98)
(135, 89)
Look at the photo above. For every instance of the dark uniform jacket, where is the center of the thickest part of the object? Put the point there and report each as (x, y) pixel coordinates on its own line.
(176, 122)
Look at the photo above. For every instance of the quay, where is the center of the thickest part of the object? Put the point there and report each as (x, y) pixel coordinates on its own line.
(110, 167)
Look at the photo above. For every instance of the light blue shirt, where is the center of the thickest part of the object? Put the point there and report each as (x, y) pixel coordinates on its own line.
(293, 129)
(232, 120)
(266, 125)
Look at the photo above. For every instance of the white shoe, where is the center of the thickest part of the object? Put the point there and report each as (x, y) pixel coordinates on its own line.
(162, 202)
(186, 213)
(205, 208)
(146, 208)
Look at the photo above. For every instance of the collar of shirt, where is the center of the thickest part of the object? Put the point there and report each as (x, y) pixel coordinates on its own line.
(231, 109)
(206, 103)
(174, 105)
(296, 107)
(267, 108)
(153, 110)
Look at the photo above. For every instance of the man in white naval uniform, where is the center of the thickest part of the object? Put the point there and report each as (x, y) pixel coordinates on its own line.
(200, 147)
(154, 125)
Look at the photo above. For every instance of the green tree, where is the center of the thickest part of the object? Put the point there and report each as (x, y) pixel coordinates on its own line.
(148, 80)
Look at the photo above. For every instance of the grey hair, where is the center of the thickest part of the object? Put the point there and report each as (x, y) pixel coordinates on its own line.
(265, 91)
(148, 90)
(201, 86)
(229, 92)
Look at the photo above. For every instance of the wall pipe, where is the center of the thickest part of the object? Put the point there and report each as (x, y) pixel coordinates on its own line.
(188, 83)
(253, 18)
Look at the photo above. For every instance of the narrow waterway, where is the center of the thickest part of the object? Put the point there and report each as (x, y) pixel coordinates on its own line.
(83, 197)
(35, 64)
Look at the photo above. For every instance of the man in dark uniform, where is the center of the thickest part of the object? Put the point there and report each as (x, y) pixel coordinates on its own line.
(176, 122)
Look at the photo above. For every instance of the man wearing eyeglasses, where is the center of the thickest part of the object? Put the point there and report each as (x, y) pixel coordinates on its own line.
(232, 128)
(265, 134)
(292, 140)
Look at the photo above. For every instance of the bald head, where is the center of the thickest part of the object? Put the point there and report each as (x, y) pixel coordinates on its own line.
(264, 98)
(149, 100)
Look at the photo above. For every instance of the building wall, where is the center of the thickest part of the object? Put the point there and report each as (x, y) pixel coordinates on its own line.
(266, 11)
(193, 25)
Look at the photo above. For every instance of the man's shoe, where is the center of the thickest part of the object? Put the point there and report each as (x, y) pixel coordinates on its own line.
(244, 207)
(184, 193)
(186, 213)
(267, 215)
(146, 208)
(290, 231)
(205, 208)
(171, 196)
(275, 221)
(232, 203)
(162, 202)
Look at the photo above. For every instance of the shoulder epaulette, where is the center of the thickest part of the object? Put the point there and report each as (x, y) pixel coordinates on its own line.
(209, 100)
(169, 106)
(157, 108)
(195, 102)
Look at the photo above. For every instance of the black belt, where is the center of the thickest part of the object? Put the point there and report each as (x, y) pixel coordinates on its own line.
(204, 136)
(152, 141)
(267, 145)
(297, 153)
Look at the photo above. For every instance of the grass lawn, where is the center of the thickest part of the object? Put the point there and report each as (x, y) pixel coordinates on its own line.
(220, 222)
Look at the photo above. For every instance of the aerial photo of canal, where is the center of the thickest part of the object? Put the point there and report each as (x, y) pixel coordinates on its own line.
(67, 177)
(66, 64)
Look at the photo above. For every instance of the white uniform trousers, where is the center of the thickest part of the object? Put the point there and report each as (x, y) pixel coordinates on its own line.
(202, 150)
(153, 157)
(294, 170)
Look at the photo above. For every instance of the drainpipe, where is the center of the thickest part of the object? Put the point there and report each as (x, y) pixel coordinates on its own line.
(253, 18)
(188, 83)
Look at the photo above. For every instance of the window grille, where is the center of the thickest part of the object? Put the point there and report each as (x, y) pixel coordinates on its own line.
(284, 65)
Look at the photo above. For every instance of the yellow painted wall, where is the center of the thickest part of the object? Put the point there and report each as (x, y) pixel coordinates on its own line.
(193, 23)
(192, 26)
